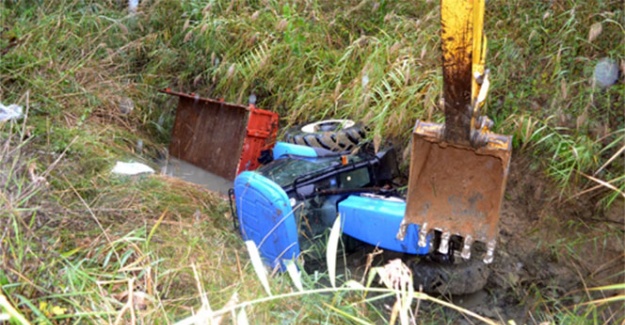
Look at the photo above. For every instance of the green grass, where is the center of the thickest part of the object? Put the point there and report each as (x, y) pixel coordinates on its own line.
(73, 237)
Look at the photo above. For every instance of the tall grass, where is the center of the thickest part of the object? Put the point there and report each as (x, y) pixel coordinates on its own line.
(311, 60)
(396, 277)
(21, 185)
(543, 88)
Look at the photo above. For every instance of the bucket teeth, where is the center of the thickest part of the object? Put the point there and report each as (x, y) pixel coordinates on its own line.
(466, 249)
(443, 248)
(423, 232)
(401, 234)
(490, 252)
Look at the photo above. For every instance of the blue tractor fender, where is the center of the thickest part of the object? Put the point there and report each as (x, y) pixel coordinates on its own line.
(284, 149)
(266, 217)
(376, 221)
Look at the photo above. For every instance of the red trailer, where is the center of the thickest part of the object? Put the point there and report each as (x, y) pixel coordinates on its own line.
(222, 138)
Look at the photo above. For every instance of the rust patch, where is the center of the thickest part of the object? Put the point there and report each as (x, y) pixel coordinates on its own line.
(209, 134)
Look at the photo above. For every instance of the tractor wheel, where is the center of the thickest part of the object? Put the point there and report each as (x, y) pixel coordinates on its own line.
(335, 135)
(463, 277)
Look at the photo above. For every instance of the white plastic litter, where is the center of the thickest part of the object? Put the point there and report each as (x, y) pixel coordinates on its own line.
(11, 112)
(132, 6)
(133, 168)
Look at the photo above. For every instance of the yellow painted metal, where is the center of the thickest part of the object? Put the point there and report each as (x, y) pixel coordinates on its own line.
(464, 56)
(479, 46)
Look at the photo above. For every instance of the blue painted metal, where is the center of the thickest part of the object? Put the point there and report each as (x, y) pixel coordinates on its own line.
(265, 217)
(376, 222)
(283, 149)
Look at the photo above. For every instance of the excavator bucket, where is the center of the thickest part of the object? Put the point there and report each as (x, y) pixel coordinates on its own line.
(458, 170)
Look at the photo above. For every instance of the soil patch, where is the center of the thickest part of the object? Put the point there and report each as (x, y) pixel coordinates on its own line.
(550, 248)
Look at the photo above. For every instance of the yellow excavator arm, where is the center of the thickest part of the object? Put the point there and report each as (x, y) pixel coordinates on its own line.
(458, 171)
(464, 55)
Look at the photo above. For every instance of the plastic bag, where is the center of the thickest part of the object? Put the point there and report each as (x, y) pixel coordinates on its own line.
(10, 113)
(133, 168)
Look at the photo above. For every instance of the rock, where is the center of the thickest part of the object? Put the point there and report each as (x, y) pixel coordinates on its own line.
(126, 105)
(606, 73)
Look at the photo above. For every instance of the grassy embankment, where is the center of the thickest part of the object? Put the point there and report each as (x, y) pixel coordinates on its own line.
(74, 238)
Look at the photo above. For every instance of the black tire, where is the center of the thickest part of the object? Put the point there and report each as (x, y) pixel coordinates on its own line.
(334, 135)
(459, 278)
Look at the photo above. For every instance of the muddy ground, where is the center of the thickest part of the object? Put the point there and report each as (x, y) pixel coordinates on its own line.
(552, 242)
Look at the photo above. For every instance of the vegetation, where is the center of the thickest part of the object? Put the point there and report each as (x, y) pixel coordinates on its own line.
(78, 245)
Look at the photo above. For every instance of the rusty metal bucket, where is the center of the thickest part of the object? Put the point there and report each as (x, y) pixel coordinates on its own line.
(457, 189)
